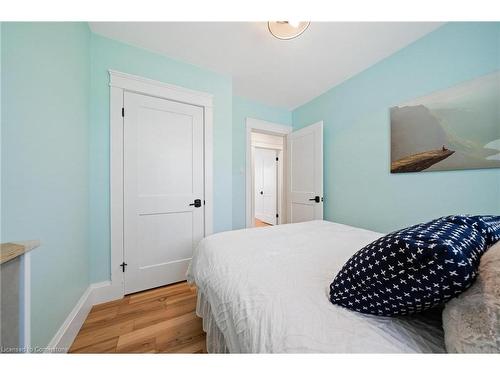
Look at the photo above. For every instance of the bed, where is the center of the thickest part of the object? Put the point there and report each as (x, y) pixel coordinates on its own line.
(265, 290)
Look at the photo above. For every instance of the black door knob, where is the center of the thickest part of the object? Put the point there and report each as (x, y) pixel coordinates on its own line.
(196, 203)
(261, 193)
(315, 199)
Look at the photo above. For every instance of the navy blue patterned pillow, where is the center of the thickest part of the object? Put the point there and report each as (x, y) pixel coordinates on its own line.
(492, 224)
(415, 268)
(488, 225)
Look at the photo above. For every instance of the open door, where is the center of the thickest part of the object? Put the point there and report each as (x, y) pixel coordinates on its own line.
(305, 174)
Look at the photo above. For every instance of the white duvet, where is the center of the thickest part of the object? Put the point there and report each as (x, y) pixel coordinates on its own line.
(268, 293)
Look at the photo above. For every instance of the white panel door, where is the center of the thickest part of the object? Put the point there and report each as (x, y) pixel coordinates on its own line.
(163, 175)
(305, 174)
(266, 185)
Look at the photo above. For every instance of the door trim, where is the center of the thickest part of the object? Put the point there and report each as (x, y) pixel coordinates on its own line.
(266, 127)
(119, 83)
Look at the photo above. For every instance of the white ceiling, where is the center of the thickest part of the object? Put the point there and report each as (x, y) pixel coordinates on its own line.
(280, 73)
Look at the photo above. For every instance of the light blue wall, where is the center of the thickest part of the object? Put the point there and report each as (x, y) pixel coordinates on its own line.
(108, 54)
(243, 108)
(1, 122)
(359, 189)
(45, 91)
(55, 131)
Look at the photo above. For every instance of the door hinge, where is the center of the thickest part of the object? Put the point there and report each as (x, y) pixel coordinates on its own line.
(123, 265)
(277, 215)
(203, 201)
(123, 112)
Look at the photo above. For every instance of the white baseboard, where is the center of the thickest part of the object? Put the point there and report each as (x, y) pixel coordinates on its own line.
(93, 295)
(104, 292)
(64, 337)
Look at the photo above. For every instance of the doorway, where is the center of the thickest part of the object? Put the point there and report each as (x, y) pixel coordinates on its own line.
(266, 186)
(267, 150)
(300, 167)
(161, 182)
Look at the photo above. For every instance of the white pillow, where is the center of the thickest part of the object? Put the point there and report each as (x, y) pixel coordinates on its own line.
(471, 322)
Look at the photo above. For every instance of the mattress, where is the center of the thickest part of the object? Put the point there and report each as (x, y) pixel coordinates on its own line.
(265, 290)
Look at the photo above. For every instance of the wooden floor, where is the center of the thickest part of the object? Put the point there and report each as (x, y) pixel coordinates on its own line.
(160, 320)
(259, 223)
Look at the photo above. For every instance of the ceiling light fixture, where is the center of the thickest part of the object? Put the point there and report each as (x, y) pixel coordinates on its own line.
(287, 29)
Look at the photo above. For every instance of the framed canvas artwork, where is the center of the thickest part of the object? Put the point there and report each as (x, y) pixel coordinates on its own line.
(455, 128)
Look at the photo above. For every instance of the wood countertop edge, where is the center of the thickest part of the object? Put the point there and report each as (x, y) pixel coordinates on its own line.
(12, 250)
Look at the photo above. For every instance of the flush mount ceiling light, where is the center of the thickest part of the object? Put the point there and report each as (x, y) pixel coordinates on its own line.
(287, 29)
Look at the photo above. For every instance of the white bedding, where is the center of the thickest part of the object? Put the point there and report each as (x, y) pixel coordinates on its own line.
(267, 289)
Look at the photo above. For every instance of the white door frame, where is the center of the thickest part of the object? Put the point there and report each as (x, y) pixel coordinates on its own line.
(264, 127)
(119, 83)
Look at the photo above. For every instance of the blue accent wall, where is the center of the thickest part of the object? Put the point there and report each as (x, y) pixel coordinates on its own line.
(45, 91)
(359, 190)
(109, 54)
(243, 108)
